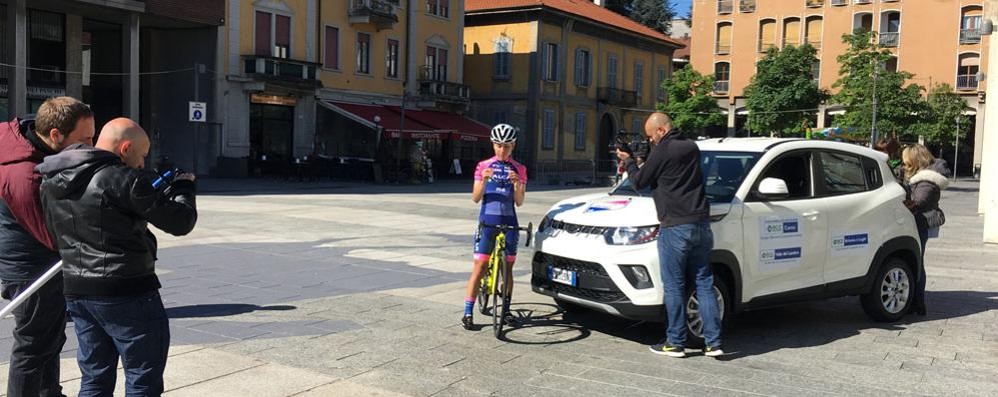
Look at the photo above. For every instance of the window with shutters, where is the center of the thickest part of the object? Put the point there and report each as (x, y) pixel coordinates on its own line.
(501, 58)
(436, 63)
(767, 35)
(580, 131)
(791, 32)
(392, 59)
(662, 75)
(611, 71)
(331, 57)
(273, 35)
(639, 78)
(583, 67)
(966, 78)
(550, 62)
(812, 31)
(440, 8)
(363, 53)
(722, 44)
(547, 130)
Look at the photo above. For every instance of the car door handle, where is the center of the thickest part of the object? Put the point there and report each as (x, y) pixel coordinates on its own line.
(811, 214)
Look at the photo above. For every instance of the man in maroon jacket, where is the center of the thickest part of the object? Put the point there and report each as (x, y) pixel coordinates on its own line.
(26, 247)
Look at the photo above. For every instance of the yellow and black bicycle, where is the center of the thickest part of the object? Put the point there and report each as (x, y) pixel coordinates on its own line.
(496, 284)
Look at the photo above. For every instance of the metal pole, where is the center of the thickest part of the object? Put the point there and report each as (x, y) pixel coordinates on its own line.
(34, 287)
(956, 148)
(873, 123)
(398, 159)
(197, 125)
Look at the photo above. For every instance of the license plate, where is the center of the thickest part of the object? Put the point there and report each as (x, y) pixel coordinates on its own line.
(562, 276)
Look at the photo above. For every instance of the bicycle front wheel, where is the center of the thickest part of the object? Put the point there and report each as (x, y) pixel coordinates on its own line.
(499, 297)
(483, 293)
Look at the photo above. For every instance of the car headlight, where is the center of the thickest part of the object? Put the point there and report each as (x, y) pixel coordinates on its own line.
(544, 224)
(631, 235)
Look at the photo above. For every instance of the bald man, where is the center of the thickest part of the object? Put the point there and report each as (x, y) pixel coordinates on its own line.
(98, 203)
(685, 240)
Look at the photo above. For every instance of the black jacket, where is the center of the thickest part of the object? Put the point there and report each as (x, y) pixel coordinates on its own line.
(925, 190)
(673, 172)
(26, 249)
(97, 209)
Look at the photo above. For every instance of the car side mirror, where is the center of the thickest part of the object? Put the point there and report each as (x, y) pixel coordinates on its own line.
(773, 188)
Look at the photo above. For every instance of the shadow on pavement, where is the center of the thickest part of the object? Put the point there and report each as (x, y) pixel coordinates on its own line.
(221, 310)
(801, 325)
(538, 324)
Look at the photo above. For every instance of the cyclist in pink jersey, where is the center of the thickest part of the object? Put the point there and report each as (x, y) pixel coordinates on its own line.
(500, 185)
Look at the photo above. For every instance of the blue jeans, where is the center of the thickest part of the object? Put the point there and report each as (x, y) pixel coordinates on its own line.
(132, 327)
(684, 250)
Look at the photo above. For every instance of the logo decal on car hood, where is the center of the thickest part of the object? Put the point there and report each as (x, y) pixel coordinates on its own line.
(608, 205)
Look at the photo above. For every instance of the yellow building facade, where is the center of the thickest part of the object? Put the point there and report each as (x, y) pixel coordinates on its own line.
(569, 75)
(291, 64)
(938, 41)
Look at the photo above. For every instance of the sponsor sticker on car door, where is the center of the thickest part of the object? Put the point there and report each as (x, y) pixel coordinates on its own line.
(780, 243)
(850, 243)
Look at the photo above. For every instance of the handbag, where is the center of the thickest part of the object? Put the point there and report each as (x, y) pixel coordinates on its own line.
(934, 218)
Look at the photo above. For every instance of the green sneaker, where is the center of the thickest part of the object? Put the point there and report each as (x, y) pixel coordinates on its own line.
(666, 350)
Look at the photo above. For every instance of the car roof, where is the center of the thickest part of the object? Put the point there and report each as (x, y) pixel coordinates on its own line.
(761, 145)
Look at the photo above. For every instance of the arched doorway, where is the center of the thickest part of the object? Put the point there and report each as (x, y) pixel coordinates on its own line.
(604, 159)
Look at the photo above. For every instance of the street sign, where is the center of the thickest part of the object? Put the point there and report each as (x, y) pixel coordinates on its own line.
(197, 112)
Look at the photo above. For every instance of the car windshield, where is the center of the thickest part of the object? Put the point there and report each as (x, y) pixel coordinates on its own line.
(723, 173)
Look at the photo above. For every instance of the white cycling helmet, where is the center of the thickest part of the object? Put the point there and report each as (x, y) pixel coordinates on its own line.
(503, 133)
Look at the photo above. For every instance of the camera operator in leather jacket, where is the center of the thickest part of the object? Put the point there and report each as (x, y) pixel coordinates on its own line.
(98, 203)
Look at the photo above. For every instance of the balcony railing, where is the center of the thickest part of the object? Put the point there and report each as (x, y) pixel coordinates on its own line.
(840, 2)
(722, 49)
(721, 86)
(863, 1)
(746, 6)
(815, 44)
(814, 3)
(282, 69)
(445, 91)
(725, 6)
(617, 97)
(967, 82)
(970, 36)
(890, 39)
(381, 13)
(765, 45)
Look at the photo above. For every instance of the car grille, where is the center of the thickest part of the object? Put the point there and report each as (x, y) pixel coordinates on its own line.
(593, 283)
(581, 229)
(575, 265)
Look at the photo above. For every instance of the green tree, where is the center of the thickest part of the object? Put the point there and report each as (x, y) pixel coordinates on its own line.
(940, 122)
(899, 107)
(689, 102)
(782, 85)
(655, 14)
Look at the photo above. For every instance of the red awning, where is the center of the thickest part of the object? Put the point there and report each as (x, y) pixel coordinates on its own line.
(389, 121)
(462, 128)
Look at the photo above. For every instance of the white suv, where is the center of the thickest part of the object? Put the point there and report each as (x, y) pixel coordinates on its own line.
(792, 219)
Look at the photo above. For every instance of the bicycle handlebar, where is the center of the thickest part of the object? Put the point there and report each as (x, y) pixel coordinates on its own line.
(505, 228)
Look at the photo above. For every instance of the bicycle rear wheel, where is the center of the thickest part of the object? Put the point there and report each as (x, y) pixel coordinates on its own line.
(499, 297)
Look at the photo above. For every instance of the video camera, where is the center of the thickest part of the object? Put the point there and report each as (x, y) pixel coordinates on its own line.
(166, 178)
(632, 144)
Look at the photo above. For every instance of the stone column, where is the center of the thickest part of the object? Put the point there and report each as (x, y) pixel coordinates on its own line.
(17, 78)
(822, 112)
(130, 56)
(74, 55)
(989, 186)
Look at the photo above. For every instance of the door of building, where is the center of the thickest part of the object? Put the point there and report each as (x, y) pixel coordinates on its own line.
(271, 136)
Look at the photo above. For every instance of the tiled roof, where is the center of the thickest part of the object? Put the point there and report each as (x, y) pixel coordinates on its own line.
(682, 53)
(582, 8)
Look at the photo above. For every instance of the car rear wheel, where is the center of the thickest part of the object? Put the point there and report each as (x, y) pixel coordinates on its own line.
(891, 295)
(694, 324)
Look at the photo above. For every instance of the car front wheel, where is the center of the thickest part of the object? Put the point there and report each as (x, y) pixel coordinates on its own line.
(694, 323)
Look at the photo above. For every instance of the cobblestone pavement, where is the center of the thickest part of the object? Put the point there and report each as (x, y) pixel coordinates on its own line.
(338, 289)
